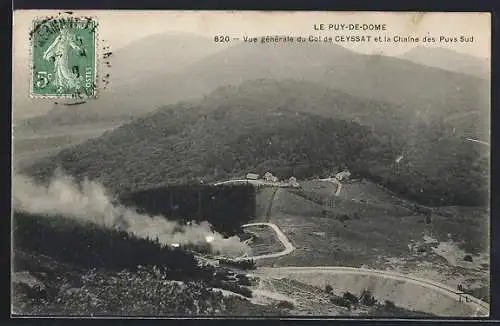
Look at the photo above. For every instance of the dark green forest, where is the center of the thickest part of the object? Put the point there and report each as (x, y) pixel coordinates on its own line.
(290, 129)
(226, 207)
(87, 245)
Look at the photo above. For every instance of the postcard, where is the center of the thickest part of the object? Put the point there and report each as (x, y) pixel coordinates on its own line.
(178, 164)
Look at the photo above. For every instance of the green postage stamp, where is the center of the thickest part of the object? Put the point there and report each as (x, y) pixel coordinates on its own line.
(63, 57)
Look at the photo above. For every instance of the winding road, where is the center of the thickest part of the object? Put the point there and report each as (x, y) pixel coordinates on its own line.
(480, 307)
(281, 184)
(478, 141)
(281, 237)
(335, 181)
(236, 181)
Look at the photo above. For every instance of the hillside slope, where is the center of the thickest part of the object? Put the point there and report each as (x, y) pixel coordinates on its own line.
(91, 269)
(148, 153)
(449, 60)
(263, 125)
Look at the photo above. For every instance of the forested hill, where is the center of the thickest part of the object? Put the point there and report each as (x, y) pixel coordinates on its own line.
(289, 128)
(168, 148)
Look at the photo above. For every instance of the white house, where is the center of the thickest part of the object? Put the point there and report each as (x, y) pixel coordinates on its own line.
(269, 177)
(342, 176)
(293, 182)
(252, 176)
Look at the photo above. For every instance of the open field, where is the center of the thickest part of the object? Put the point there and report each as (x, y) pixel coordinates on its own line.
(264, 203)
(408, 292)
(376, 232)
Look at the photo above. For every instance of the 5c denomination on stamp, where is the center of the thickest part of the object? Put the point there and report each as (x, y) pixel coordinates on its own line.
(63, 57)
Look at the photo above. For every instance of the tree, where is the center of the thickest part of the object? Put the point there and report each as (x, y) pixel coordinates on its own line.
(349, 297)
(367, 298)
(468, 258)
(389, 304)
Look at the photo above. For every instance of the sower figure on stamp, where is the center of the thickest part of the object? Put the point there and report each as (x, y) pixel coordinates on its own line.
(59, 51)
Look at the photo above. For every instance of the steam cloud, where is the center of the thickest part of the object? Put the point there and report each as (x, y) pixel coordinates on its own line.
(88, 201)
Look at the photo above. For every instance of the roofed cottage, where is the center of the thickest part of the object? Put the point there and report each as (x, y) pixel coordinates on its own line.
(252, 176)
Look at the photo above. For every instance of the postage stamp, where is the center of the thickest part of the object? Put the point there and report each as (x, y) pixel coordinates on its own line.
(63, 57)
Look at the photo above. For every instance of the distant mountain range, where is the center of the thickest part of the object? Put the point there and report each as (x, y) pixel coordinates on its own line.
(288, 127)
(449, 60)
(158, 54)
(415, 90)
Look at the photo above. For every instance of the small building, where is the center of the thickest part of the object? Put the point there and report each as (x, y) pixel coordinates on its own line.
(342, 176)
(269, 177)
(293, 182)
(252, 176)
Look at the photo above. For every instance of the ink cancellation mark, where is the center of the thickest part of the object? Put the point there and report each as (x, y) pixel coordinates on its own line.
(63, 54)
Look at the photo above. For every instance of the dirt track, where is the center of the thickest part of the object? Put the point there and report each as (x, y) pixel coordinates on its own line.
(334, 181)
(405, 291)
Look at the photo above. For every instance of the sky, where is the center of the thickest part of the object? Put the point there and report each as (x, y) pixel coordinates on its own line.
(118, 28)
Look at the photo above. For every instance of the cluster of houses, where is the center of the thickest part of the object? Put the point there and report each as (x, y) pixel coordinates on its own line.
(344, 176)
(269, 177)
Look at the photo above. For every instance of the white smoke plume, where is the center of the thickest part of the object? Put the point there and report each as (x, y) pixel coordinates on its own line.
(88, 201)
